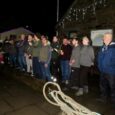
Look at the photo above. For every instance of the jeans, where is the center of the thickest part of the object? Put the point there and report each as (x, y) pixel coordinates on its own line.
(22, 61)
(65, 70)
(46, 75)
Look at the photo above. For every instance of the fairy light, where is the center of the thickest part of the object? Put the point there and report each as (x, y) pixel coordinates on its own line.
(74, 13)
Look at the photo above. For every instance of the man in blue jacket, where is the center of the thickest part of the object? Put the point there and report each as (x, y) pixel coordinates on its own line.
(106, 65)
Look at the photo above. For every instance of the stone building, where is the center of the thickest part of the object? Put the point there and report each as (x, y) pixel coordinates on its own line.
(86, 15)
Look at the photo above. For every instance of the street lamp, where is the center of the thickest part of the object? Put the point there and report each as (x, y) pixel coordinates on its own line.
(27, 26)
(57, 10)
(57, 15)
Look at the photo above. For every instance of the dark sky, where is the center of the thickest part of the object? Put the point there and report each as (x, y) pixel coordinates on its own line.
(39, 15)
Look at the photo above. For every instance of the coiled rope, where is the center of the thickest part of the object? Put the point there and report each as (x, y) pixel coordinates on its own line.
(66, 103)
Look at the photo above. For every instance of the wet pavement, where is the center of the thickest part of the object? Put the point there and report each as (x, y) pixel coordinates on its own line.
(23, 96)
(17, 98)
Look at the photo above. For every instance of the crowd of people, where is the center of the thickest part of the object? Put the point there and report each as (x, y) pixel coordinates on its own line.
(68, 60)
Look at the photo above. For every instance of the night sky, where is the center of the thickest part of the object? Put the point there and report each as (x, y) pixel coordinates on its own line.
(39, 16)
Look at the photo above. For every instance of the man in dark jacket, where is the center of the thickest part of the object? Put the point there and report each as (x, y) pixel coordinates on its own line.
(106, 65)
(55, 56)
(65, 55)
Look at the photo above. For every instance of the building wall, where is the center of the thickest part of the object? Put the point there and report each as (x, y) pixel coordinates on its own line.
(102, 17)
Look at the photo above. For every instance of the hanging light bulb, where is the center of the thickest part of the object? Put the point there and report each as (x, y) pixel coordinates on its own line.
(76, 14)
(100, 1)
(104, 3)
(94, 12)
(95, 3)
(83, 13)
(63, 25)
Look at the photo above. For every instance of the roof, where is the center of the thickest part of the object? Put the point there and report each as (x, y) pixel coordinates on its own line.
(16, 29)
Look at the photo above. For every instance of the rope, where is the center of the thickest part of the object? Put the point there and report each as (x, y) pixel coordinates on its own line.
(66, 103)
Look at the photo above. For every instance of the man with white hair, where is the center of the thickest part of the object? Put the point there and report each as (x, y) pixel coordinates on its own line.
(106, 65)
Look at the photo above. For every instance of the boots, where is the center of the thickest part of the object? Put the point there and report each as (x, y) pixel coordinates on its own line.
(80, 92)
(85, 89)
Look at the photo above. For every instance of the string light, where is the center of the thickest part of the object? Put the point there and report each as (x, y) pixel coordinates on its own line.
(104, 3)
(75, 14)
(94, 9)
(83, 14)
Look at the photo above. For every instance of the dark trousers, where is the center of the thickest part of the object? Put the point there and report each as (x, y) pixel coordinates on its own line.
(84, 71)
(55, 67)
(12, 59)
(6, 58)
(74, 77)
(107, 86)
(36, 67)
